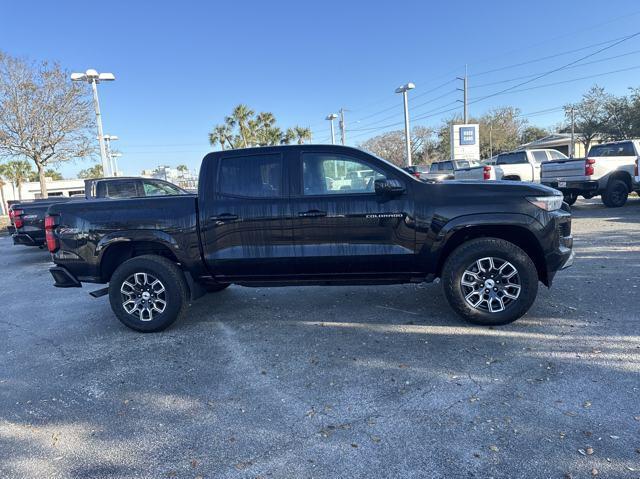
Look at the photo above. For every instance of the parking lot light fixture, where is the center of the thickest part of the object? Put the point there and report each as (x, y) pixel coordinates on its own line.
(404, 89)
(332, 117)
(92, 77)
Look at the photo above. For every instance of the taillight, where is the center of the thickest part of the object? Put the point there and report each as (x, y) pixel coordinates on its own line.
(416, 174)
(17, 218)
(50, 223)
(588, 166)
(486, 173)
(636, 168)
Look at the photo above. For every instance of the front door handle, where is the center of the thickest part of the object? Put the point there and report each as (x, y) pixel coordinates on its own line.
(224, 217)
(312, 214)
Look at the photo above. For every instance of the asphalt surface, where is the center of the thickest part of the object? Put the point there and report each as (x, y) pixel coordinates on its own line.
(329, 382)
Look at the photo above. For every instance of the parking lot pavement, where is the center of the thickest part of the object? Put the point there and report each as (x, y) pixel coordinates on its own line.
(329, 382)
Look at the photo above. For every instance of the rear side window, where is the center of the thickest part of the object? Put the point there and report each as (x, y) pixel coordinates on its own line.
(122, 189)
(515, 158)
(616, 149)
(540, 156)
(556, 155)
(254, 176)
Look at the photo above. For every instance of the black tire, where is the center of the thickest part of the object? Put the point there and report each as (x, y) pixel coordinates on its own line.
(570, 198)
(214, 288)
(616, 194)
(468, 254)
(588, 196)
(174, 295)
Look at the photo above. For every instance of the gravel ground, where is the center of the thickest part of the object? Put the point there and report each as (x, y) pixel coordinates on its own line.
(329, 382)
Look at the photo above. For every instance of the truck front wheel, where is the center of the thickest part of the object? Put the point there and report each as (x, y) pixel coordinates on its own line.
(148, 293)
(490, 281)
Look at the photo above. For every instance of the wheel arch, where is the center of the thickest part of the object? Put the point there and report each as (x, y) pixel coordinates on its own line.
(518, 234)
(624, 176)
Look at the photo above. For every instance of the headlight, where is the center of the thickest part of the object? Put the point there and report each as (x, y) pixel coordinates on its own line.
(547, 203)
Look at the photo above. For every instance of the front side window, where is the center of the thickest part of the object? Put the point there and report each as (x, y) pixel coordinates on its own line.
(556, 155)
(122, 189)
(327, 174)
(254, 176)
(157, 188)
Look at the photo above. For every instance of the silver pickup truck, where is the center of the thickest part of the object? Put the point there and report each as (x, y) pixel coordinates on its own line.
(608, 171)
(518, 165)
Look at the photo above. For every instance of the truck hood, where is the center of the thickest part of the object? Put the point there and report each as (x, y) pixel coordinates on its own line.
(511, 188)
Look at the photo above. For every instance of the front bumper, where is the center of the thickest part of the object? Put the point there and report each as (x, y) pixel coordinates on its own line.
(582, 186)
(63, 278)
(561, 254)
(25, 240)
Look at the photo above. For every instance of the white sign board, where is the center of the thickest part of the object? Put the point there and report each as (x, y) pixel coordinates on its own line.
(465, 142)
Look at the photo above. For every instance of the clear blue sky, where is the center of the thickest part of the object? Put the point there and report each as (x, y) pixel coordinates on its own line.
(182, 66)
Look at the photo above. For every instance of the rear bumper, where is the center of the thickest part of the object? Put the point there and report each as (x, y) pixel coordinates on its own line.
(588, 186)
(26, 240)
(63, 278)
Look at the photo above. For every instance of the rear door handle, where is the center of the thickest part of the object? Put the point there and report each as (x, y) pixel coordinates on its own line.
(312, 214)
(224, 217)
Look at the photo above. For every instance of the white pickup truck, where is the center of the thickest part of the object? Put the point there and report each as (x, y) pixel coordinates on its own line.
(520, 165)
(608, 170)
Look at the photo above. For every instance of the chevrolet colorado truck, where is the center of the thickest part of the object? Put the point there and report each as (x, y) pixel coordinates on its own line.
(28, 217)
(276, 216)
(520, 165)
(608, 171)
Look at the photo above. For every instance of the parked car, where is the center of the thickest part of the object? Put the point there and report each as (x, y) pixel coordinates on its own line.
(607, 170)
(28, 217)
(520, 165)
(445, 170)
(267, 217)
(417, 170)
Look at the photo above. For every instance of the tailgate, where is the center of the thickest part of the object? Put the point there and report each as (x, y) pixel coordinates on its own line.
(471, 173)
(552, 170)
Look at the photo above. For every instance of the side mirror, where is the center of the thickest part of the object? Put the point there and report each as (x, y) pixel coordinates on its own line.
(389, 187)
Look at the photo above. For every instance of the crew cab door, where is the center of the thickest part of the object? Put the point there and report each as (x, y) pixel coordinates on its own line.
(515, 166)
(341, 225)
(245, 216)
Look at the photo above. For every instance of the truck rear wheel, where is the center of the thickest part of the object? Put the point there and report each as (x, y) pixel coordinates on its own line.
(616, 194)
(490, 281)
(148, 293)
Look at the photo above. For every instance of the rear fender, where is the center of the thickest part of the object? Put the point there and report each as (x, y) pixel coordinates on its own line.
(153, 236)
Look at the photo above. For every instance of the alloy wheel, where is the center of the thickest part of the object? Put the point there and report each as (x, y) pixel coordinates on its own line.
(143, 295)
(491, 284)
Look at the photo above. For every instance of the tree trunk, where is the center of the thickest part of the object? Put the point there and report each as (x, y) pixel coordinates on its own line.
(43, 181)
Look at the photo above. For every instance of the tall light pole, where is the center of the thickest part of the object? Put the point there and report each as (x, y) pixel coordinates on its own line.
(332, 117)
(107, 142)
(114, 157)
(343, 127)
(573, 132)
(93, 78)
(404, 89)
(464, 90)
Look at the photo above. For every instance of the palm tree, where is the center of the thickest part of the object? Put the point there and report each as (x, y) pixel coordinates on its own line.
(18, 171)
(221, 134)
(242, 116)
(299, 134)
(182, 169)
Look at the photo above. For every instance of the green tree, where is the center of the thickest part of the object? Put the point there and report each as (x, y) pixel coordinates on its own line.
(91, 173)
(243, 128)
(592, 116)
(182, 169)
(299, 134)
(48, 173)
(532, 133)
(17, 172)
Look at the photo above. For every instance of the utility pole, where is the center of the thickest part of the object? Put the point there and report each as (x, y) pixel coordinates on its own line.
(107, 141)
(464, 90)
(490, 140)
(573, 132)
(343, 127)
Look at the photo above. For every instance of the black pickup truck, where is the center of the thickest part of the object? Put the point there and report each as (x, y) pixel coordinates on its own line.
(314, 215)
(28, 217)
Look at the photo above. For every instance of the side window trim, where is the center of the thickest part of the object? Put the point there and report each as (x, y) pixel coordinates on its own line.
(217, 186)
